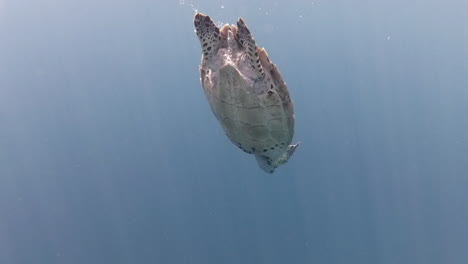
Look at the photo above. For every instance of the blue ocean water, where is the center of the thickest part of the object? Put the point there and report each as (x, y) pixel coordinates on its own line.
(109, 152)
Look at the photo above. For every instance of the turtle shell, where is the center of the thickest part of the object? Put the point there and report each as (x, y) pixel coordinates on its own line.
(246, 92)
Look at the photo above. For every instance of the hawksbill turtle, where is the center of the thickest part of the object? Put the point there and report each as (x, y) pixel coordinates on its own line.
(246, 92)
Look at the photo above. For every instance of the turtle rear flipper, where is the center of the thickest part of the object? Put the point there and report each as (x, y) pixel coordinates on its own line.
(269, 165)
(211, 39)
(265, 163)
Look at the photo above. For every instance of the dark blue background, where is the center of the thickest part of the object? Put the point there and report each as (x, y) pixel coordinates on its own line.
(109, 152)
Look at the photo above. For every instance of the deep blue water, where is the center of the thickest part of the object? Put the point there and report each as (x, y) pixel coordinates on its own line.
(109, 152)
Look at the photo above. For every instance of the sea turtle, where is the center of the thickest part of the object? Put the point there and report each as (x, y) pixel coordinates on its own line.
(246, 92)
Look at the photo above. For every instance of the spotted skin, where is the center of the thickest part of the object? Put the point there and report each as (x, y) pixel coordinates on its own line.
(208, 34)
(248, 43)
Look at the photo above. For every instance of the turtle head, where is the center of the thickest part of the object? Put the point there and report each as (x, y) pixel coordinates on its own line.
(269, 165)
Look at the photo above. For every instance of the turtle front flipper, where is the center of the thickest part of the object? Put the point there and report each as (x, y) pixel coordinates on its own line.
(248, 43)
(209, 35)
